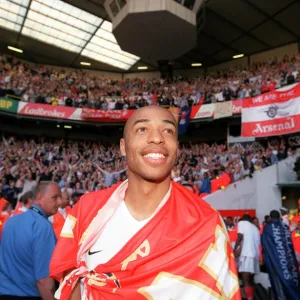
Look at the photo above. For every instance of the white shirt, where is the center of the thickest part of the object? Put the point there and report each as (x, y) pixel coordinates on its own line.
(251, 239)
(285, 220)
(118, 231)
(122, 227)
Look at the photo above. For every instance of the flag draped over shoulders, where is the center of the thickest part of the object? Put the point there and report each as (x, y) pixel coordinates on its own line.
(181, 253)
(280, 261)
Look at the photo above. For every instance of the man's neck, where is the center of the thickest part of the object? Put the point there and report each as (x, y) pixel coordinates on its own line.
(143, 197)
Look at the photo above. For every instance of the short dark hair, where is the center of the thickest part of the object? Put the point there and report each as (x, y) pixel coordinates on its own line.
(275, 215)
(26, 197)
(246, 217)
(42, 188)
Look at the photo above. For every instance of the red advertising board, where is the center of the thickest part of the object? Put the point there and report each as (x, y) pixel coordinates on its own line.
(95, 115)
(47, 111)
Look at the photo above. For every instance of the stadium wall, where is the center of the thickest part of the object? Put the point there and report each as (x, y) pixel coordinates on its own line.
(195, 72)
(241, 62)
(141, 75)
(112, 75)
(280, 52)
(259, 193)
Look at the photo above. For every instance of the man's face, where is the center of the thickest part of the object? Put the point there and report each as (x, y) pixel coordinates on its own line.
(255, 222)
(65, 199)
(50, 200)
(229, 221)
(283, 212)
(150, 144)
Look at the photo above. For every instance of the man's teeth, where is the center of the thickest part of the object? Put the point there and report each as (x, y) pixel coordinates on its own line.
(154, 155)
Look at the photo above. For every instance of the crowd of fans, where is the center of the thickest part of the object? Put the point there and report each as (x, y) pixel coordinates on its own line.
(80, 167)
(78, 88)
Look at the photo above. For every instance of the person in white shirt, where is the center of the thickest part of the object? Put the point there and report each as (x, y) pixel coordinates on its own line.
(284, 216)
(246, 251)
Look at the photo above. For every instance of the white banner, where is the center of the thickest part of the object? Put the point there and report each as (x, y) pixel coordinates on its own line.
(223, 110)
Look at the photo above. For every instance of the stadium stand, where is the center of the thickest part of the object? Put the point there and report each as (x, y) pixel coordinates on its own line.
(83, 166)
(76, 88)
(63, 105)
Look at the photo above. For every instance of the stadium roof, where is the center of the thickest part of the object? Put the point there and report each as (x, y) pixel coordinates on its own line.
(73, 31)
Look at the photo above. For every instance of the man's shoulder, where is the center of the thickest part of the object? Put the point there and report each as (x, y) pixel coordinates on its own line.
(191, 199)
(92, 202)
(98, 196)
(19, 218)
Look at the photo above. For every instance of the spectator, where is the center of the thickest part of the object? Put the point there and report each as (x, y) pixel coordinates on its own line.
(27, 244)
(24, 204)
(290, 78)
(247, 253)
(279, 259)
(79, 167)
(285, 216)
(47, 85)
(296, 241)
(205, 187)
(57, 220)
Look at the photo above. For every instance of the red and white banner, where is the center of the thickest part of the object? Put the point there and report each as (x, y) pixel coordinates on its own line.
(236, 107)
(209, 110)
(273, 113)
(96, 115)
(49, 111)
(202, 111)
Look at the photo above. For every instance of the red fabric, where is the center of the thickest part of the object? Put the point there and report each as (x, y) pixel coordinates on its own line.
(224, 180)
(58, 222)
(18, 210)
(296, 219)
(179, 239)
(215, 185)
(203, 195)
(296, 241)
(232, 234)
(272, 86)
(2, 203)
(249, 291)
(261, 228)
(3, 219)
(265, 88)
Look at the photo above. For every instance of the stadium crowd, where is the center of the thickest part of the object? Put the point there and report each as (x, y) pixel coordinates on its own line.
(82, 166)
(79, 88)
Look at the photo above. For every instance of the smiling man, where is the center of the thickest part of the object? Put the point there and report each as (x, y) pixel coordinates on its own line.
(147, 238)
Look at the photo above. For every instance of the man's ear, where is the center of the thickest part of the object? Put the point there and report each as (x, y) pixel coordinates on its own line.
(122, 147)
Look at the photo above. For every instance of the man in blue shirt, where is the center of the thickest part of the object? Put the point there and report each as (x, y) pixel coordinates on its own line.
(205, 188)
(26, 248)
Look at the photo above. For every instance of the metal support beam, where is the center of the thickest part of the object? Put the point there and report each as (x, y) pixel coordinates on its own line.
(25, 17)
(271, 17)
(226, 45)
(245, 32)
(93, 34)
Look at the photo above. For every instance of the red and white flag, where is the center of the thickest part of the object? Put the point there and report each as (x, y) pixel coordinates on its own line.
(273, 113)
